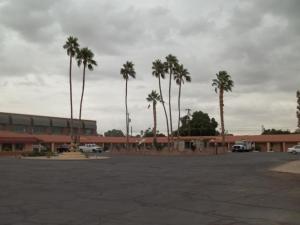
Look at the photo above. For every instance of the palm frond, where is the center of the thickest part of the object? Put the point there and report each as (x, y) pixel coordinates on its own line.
(85, 56)
(71, 46)
(128, 70)
(90, 67)
(223, 81)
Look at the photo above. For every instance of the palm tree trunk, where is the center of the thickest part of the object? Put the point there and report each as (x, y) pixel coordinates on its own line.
(71, 101)
(222, 118)
(127, 139)
(154, 124)
(166, 115)
(81, 100)
(170, 109)
(179, 95)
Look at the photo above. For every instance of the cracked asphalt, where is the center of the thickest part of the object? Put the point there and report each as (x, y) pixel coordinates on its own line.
(232, 189)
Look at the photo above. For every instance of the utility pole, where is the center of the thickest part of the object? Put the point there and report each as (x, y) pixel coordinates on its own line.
(127, 128)
(189, 121)
(262, 129)
(129, 121)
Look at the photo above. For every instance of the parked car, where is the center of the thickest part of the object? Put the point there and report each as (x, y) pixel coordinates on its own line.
(295, 149)
(89, 148)
(63, 148)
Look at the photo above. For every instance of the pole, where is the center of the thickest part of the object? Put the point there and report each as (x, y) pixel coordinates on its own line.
(189, 120)
(129, 121)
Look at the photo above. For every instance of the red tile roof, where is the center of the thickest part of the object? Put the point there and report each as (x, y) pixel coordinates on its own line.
(8, 136)
(12, 137)
(261, 138)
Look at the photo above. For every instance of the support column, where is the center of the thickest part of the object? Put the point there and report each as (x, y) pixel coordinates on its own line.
(0, 147)
(268, 146)
(13, 147)
(52, 147)
(228, 147)
(283, 147)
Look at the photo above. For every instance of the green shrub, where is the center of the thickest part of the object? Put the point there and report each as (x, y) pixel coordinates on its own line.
(38, 153)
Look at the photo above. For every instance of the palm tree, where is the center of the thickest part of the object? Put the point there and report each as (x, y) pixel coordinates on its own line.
(84, 57)
(170, 65)
(154, 97)
(222, 83)
(71, 46)
(298, 108)
(127, 71)
(181, 74)
(158, 70)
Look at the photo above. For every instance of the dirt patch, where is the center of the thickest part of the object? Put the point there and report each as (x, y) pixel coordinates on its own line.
(290, 167)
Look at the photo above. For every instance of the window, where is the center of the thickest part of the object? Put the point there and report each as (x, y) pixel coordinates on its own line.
(19, 147)
(7, 147)
(88, 131)
(19, 128)
(39, 130)
(57, 130)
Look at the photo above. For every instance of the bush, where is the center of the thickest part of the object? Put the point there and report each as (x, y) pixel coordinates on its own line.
(38, 153)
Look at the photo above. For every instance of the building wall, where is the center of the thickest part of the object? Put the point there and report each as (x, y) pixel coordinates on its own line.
(276, 147)
(31, 124)
(261, 146)
(18, 147)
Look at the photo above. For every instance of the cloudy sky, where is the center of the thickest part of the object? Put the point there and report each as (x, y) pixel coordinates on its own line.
(256, 41)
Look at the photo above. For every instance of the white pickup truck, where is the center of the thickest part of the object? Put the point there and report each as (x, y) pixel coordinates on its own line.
(90, 148)
(242, 146)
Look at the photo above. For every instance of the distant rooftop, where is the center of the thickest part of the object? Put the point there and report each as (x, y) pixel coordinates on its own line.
(32, 115)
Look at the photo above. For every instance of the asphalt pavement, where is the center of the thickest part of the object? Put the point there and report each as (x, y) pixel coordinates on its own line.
(232, 189)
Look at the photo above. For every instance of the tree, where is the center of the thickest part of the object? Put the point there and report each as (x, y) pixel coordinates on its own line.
(84, 57)
(200, 124)
(114, 133)
(158, 70)
(170, 66)
(72, 47)
(298, 108)
(127, 71)
(275, 131)
(149, 133)
(222, 83)
(181, 74)
(153, 98)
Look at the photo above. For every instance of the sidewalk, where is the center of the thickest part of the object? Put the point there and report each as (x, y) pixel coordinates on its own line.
(290, 167)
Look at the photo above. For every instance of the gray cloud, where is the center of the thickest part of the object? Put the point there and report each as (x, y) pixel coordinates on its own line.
(257, 42)
(33, 20)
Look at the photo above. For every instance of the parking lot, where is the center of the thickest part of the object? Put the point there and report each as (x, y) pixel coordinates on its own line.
(232, 189)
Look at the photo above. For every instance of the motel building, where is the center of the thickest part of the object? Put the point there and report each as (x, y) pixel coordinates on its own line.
(20, 132)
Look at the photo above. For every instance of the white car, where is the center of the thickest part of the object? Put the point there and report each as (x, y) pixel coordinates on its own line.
(295, 149)
(90, 148)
